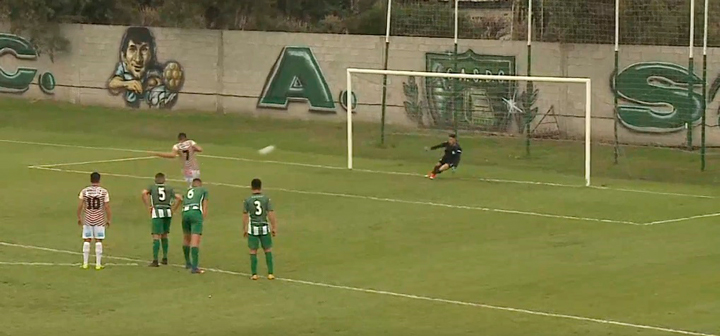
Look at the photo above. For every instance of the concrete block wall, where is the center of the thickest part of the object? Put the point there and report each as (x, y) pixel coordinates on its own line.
(225, 72)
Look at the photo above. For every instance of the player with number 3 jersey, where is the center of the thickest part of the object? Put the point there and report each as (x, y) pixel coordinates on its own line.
(93, 215)
(162, 201)
(186, 150)
(260, 225)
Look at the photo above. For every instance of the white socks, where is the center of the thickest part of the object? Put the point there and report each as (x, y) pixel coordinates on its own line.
(86, 252)
(98, 253)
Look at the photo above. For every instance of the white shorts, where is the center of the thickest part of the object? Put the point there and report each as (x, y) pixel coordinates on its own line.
(93, 232)
(190, 175)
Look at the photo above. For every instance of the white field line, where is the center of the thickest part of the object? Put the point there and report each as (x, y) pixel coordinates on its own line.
(95, 161)
(24, 263)
(19, 142)
(683, 219)
(381, 199)
(653, 192)
(412, 297)
(547, 184)
(46, 167)
(297, 164)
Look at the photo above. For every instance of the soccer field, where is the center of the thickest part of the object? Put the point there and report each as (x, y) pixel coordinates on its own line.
(505, 246)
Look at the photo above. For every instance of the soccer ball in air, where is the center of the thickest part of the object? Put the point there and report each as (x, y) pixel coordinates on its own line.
(266, 150)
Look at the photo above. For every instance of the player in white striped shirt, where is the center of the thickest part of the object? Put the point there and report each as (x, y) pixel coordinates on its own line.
(186, 150)
(93, 214)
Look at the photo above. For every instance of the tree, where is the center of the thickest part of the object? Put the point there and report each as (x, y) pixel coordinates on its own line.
(39, 22)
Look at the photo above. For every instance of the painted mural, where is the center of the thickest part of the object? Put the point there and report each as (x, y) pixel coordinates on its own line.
(297, 76)
(488, 105)
(20, 80)
(140, 77)
(660, 97)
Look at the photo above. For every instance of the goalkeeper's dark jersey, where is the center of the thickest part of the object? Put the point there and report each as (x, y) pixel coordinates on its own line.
(452, 152)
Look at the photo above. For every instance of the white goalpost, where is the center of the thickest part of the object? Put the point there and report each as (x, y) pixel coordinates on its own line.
(585, 81)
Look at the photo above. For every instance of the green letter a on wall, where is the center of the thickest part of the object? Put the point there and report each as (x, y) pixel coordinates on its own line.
(296, 75)
(22, 49)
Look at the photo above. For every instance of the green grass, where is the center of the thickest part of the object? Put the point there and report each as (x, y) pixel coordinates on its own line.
(431, 240)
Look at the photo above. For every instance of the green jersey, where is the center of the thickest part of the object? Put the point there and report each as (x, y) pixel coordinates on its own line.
(161, 199)
(257, 207)
(193, 198)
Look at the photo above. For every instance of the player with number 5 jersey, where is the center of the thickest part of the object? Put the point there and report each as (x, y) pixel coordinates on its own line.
(259, 225)
(194, 207)
(93, 215)
(161, 201)
(186, 150)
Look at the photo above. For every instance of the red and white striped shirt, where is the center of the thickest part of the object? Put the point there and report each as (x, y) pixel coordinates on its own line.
(188, 157)
(94, 199)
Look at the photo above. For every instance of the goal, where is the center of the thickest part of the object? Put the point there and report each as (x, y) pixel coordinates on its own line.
(466, 99)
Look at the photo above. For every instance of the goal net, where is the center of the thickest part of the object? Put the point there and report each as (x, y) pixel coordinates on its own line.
(494, 117)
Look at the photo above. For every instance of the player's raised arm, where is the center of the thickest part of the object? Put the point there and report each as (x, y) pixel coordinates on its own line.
(170, 155)
(442, 145)
(197, 147)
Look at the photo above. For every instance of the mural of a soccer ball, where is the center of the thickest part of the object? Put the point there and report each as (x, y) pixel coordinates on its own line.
(173, 75)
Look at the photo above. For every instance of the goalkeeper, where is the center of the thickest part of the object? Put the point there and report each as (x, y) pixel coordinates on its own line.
(451, 158)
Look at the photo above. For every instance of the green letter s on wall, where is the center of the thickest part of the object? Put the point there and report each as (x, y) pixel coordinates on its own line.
(659, 93)
(20, 81)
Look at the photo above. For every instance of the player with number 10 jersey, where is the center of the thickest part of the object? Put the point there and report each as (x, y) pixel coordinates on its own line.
(93, 215)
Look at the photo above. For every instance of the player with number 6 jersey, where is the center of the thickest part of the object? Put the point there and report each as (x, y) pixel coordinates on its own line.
(93, 215)
(186, 150)
(161, 200)
(259, 225)
(194, 207)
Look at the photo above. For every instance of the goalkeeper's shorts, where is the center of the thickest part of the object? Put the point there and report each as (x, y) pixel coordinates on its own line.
(450, 162)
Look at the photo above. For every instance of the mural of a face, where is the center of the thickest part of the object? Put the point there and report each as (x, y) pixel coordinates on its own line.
(136, 57)
(138, 51)
(140, 77)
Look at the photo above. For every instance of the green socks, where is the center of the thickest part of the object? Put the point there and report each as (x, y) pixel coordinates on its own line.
(156, 249)
(269, 260)
(253, 263)
(195, 251)
(165, 245)
(186, 252)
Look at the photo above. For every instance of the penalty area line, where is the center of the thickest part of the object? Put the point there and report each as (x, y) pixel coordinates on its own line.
(373, 198)
(52, 165)
(412, 297)
(308, 165)
(27, 263)
(675, 220)
(493, 180)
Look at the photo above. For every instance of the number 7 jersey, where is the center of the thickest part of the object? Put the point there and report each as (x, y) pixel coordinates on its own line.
(188, 157)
